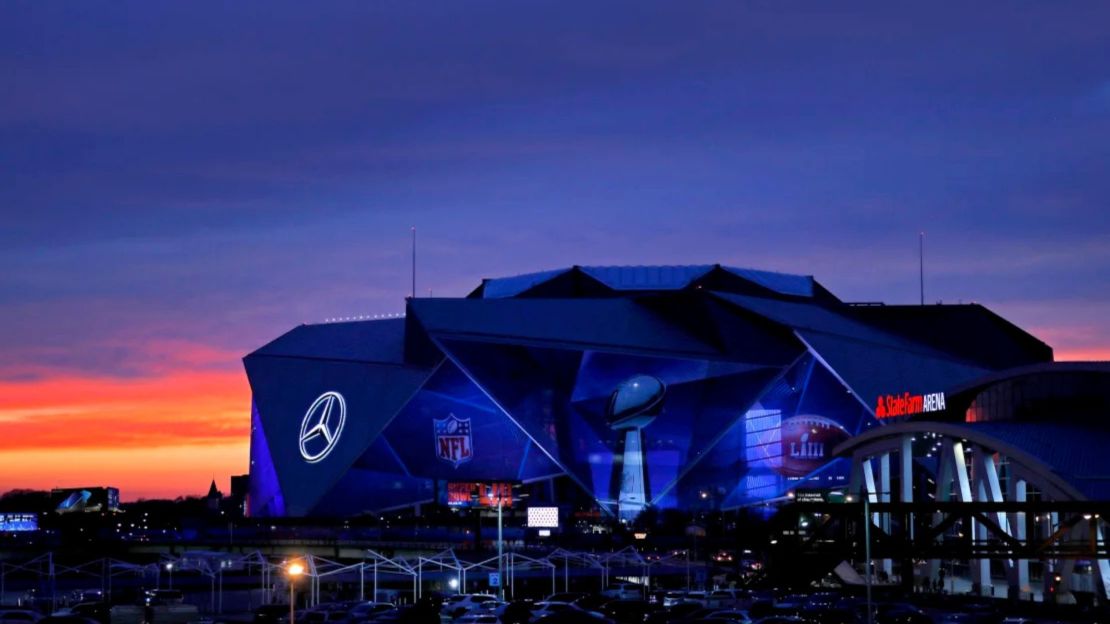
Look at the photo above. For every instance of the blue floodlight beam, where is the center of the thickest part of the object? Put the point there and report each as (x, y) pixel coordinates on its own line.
(866, 406)
(393, 451)
(463, 402)
(523, 461)
(805, 384)
(454, 360)
(691, 464)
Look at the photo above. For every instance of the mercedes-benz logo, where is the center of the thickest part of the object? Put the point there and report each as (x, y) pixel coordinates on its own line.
(322, 426)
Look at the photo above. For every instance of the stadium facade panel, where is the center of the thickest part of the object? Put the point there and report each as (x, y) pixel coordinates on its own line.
(642, 387)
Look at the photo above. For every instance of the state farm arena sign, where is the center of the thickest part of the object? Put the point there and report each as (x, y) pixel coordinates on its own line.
(906, 404)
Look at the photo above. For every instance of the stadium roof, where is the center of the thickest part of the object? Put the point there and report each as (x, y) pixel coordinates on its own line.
(707, 311)
(377, 341)
(563, 323)
(599, 280)
(969, 330)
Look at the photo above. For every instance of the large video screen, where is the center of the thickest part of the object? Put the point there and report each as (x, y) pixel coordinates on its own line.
(18, 522)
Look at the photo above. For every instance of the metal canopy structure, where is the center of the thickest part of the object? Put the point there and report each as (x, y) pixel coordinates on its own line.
(942, 492)
(370, 572)
(46, 568)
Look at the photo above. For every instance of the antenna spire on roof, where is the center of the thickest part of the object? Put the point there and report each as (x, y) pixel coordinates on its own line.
(921, 264)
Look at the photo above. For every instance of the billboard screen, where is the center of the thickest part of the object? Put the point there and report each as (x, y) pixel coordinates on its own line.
(468, 494)
(543, 517)
(13, 522)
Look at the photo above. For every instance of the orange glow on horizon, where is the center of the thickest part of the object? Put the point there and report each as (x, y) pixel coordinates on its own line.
(153, 437)
(1083, 354)
(157, 472)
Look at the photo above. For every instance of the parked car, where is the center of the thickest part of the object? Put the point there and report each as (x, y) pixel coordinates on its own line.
(367, 611)
(459, 604)
(131, 614)
(783, 619)
(271, 614)
(736, 616)
(84, 595)
(66, 619)
(725, 598)
(322, 616)
(675, 613)
(571, 597)
(574, 616)
(629, 611)
(672, 598)
(545, 609)
(515, 612)
(483, 617)
(19, 615)
(393, 616)
(699, 597)
(164, 597)
(906, 617)
(624, 591)
(99, 611)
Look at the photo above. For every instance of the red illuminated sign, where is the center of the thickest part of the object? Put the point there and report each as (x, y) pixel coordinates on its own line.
(906, 404)
(492, 494)
(460, 494)
(470, 494)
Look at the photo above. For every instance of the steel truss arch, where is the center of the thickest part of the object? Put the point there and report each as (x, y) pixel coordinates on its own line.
(926, 462)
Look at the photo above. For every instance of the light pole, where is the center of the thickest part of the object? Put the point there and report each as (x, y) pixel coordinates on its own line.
(294, 570)
(500, 548)
(867, 553)
(169, 568)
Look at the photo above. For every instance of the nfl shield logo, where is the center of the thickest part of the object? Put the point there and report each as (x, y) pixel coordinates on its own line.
(453, 443)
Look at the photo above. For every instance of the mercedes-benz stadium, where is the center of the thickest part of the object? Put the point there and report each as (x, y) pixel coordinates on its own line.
(621, 388)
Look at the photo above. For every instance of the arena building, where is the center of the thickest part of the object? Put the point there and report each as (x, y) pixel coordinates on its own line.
(623, 388)
(1015, 479)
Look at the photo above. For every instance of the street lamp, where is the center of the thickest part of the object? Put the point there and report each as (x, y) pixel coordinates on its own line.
(500, 548)
(294, 570)
(169, 568)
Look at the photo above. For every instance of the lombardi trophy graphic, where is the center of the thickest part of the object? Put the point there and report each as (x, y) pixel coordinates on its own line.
(634, 405)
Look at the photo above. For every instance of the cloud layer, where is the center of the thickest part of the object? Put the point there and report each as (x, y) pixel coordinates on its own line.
(181, 183)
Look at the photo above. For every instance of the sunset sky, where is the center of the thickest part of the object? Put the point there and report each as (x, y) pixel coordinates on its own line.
(182, 182)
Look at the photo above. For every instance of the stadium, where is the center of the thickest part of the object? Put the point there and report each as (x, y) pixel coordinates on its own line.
(613, 388)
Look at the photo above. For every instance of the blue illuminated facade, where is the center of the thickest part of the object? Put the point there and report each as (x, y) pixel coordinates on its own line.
(629, 387)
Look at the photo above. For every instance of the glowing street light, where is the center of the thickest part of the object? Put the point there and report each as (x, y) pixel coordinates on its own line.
(169, 568)
(294, 570)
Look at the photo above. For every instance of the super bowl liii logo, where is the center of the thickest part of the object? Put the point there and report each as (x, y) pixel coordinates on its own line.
(453, 442)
